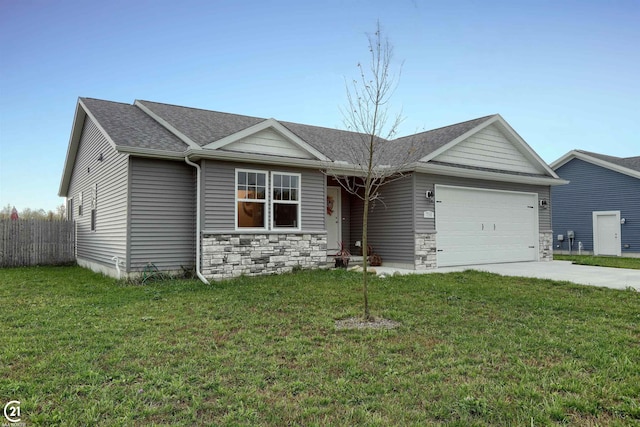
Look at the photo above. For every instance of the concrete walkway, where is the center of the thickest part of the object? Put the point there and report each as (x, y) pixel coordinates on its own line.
(615, 278)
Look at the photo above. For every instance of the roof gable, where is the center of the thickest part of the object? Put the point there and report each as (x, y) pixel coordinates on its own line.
(625, 165)
(489, 148)
(268, 137)
(158, 130)
(491, 145)
(126, 125)
(199, 127)
(429, 141)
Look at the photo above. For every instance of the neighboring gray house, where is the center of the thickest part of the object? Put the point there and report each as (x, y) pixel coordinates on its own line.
(229, 194)
(601, 204)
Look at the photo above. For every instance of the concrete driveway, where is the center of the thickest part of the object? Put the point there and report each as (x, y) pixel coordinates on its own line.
(616, 278)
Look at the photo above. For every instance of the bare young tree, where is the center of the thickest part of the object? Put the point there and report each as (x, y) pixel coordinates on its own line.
(372, 159)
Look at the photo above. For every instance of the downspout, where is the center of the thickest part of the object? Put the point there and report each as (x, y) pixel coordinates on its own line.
(117, 264)
(198, 173)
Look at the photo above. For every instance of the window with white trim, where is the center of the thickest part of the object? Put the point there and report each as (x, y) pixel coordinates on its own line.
(93, 220)
(94, 207)
(69, 212)
(251, 199)
(285, 200)
(267, 204)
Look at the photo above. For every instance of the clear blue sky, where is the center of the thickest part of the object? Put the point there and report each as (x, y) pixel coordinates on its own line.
(564, 74)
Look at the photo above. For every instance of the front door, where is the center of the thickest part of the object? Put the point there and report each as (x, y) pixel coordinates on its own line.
(606, 233)
(333, 215)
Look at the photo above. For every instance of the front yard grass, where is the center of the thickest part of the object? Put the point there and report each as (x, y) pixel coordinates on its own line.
(601, 261)
(473, 349)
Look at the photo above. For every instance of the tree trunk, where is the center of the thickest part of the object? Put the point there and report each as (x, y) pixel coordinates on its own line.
(365, 244)
(365, 278)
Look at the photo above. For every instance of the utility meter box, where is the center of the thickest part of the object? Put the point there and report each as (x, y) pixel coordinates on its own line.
(571, 234)
(560, 238)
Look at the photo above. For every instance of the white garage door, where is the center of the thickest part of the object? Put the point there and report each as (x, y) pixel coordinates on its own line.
(476, 226)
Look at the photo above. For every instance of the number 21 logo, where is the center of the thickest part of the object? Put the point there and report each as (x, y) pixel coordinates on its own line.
(12, 411)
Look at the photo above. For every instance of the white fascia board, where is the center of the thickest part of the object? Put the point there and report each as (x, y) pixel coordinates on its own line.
(195, 155)
(72, 149)
(486, 175)
(497, 118)
(593, 160)
(459, 139)
(98, 125)
(151, 153)
(266, 124)
(253, 158)
(564, 159)
(528, 150)
(82, 112)
(184, 138)
(343, 170)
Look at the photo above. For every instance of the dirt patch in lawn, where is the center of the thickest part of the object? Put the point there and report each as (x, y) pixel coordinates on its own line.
(360, 323)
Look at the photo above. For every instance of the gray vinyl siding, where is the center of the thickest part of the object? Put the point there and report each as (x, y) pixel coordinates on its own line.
(219, 195)
(111, 176)
(390, 222)
(424, 182)
(162, 214)
(594, 188)
(314, 199)
(489, 148)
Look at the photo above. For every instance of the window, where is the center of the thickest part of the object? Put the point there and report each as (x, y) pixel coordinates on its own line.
(93, 220)
(285, 200)
(257, 199)
(94, 206)
(251, 199)
(69, 212)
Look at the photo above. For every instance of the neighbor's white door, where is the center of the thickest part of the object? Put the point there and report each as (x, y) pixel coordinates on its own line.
(333, 215)
(606, 233)
(481, 226)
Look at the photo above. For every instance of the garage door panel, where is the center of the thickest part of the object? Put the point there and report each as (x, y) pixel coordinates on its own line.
(476, 226)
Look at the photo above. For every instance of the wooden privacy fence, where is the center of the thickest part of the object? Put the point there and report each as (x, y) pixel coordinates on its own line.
(36, 242)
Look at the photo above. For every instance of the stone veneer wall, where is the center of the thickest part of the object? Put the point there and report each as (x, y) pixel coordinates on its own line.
(232, 255)
(546, 246)
(425, 252)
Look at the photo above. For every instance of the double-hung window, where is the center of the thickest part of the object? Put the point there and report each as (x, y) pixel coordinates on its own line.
(251, 199)
(285, 200)
(267, 201)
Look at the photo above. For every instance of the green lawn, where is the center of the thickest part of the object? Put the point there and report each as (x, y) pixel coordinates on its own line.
(473, 349)
(603, 261)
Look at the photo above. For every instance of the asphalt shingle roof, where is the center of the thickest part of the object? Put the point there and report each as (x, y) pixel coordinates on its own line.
(129, 126)
(201, 126)
(424, 143)
(627, 162)
(336, 144)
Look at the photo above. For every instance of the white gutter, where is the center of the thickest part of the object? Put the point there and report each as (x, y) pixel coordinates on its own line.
(486, 175)
(198, 173)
